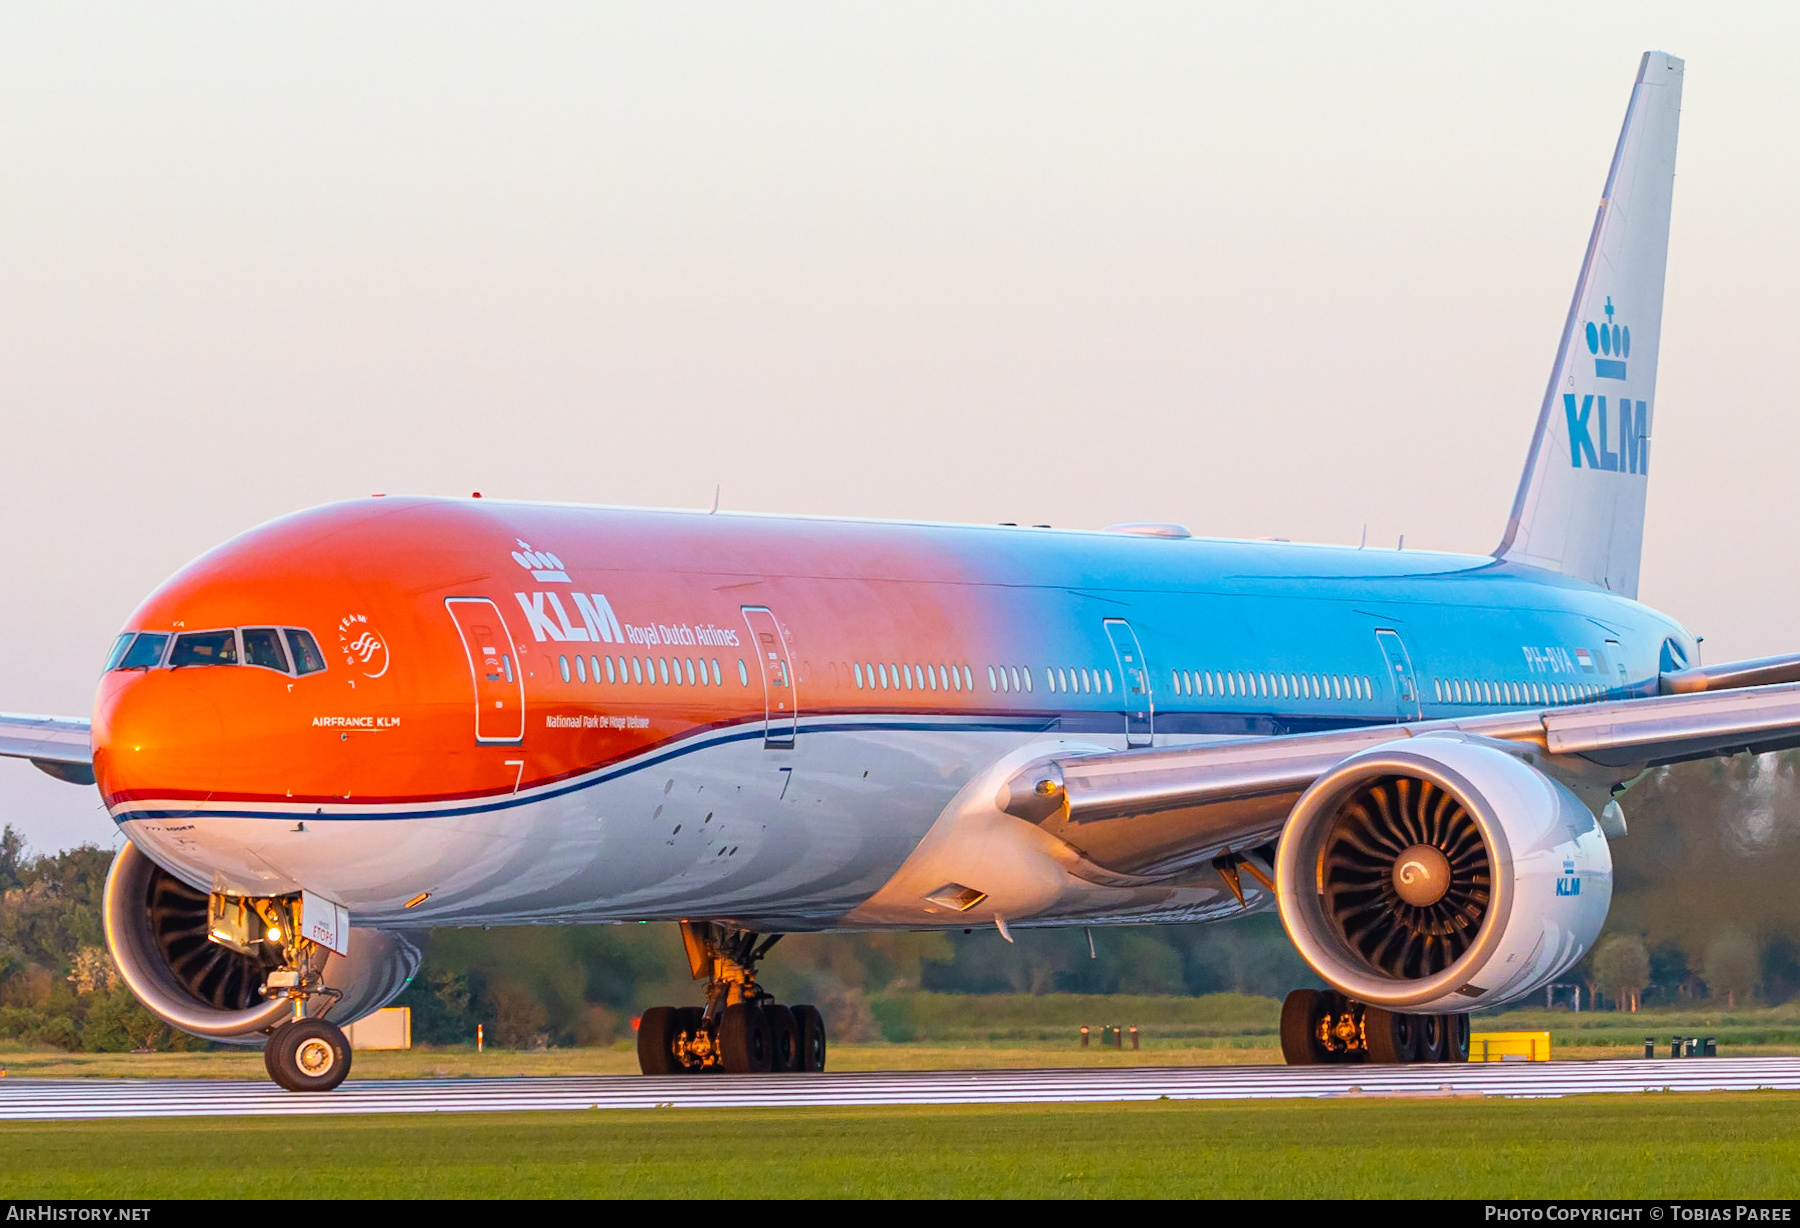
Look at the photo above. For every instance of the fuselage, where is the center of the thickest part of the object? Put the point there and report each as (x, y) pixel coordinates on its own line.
(527, 712)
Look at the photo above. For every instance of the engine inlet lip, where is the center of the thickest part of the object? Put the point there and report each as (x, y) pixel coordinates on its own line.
(141, 968)
(1297, 877)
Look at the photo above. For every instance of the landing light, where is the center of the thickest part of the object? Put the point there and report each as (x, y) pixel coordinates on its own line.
(274, 934)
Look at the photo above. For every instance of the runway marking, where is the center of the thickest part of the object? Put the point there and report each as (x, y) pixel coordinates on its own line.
(48, 1099)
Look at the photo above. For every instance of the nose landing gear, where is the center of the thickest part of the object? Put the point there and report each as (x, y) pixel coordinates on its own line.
(305, 1053)
(742, 1029)
(1322, 1026)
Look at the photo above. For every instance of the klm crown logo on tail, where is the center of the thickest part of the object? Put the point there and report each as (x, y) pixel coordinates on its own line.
(1609, 339)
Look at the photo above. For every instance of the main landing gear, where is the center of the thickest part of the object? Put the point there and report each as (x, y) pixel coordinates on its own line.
(1319, 1026)
(741, 1030)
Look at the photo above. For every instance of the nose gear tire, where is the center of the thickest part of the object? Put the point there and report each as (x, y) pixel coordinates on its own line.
(307, 1055)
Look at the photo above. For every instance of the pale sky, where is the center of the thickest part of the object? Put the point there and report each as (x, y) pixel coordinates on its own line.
(1265, 269)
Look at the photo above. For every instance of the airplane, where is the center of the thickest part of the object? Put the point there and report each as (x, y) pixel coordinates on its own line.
(353, 724)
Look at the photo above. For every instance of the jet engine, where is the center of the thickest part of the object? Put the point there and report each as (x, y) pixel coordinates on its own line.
(1441, 874)
(157, 929)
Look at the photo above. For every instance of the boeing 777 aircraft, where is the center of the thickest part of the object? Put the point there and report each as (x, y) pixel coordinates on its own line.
(358, 722)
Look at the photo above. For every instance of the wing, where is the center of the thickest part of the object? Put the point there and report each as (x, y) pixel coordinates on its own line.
(1158, 813)
(55, 744)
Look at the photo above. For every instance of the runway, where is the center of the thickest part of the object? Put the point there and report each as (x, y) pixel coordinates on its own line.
(51, 1099)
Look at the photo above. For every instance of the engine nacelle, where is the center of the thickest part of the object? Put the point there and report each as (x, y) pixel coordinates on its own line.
(1441, 873)
(156, 928)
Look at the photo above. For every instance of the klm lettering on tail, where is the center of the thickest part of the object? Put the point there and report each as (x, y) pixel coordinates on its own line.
(1589, 437)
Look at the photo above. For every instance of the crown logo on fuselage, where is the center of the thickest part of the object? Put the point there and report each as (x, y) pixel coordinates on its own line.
(540, 563)
(1610, 344)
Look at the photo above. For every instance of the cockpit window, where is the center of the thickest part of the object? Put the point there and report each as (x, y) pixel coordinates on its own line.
(145, 652)
(262, 646)
(118, 651)
(307, 657)
(204, 648)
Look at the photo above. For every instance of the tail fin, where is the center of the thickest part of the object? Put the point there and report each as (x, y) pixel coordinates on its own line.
(1580, 506)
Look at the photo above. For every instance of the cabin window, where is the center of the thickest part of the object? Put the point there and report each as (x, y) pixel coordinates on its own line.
(743, 673)
(204, 648)
(958, 679)
(856, 668)
(580, 670)
(637, 670)
(718, 674)
(1025, 672)
(1109, 682)
(262, 646)
(993, 682)
(689, 666)
(563, 665)
(1014, 671)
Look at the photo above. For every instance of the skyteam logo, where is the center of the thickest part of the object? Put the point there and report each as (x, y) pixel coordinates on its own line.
(1610, 344)
(1594, 427)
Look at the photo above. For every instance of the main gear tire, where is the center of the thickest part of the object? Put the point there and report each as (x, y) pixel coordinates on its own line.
(744, 1040)
(1456, 1038)
(784, 1036)
(658, 1028)
(1434, 1038)
(810, 1026)
(1301, 1012)
(1391, 1036)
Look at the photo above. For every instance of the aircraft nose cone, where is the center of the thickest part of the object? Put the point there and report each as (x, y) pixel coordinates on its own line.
(155, 738)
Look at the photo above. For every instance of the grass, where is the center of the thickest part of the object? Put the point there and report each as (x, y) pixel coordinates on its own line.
(1644, 1146)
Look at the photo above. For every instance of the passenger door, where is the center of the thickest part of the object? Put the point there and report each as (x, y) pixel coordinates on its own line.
(1400, 674)
(499, 686)
(1134, 679)
(780, 708)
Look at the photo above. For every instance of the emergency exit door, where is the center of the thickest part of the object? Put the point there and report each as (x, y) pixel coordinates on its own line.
(1134, 680)
(499, 686)
(780, 709)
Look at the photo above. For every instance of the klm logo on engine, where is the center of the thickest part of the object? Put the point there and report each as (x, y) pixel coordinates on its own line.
(1611, 437)
(1568, 884)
